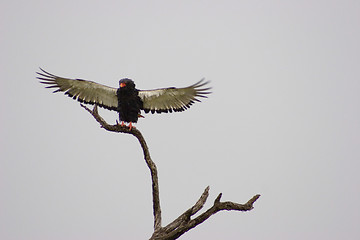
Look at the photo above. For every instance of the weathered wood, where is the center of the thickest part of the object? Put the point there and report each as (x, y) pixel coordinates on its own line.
(184, 222)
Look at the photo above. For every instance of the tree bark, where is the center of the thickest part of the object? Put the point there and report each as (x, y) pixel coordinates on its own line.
(184, 222)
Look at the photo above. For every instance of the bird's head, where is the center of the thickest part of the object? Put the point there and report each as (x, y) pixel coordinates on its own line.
(126, 83)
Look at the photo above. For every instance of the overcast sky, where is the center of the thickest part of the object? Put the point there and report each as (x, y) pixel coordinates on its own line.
(283, 120)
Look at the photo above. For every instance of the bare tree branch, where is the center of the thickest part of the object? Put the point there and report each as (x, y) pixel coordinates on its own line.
(149, 162)
(184, 222)
(185, 217)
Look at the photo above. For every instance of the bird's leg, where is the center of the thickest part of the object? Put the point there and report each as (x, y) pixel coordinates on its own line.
(130, 126)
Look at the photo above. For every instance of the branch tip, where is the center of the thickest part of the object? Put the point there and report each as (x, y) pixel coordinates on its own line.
(217, 200)
(253, 199)
(95, 109)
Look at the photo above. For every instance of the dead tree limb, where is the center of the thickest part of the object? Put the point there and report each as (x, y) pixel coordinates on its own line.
(184, 222)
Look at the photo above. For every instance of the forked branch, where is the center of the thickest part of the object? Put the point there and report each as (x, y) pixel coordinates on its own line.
(184, 222)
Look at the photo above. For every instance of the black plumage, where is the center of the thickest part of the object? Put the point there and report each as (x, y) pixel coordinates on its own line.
(127, 100)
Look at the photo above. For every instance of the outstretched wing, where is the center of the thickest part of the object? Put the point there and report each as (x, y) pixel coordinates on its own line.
(172, 99)
(81, 90)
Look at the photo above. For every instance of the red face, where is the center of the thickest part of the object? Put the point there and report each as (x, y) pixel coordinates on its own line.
(126, 83)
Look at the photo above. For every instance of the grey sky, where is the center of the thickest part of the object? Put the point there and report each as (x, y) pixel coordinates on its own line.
(283, 119)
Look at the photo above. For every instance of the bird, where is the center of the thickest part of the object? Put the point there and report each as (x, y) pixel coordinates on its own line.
(127, 100)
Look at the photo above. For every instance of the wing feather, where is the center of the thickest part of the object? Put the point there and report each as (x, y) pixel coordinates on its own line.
(81, 90)
(173, 99)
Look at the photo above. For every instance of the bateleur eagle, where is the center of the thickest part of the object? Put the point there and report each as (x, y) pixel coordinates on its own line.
(127, 100)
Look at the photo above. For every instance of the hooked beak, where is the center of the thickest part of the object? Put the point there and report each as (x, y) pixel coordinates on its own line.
(122, 85)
